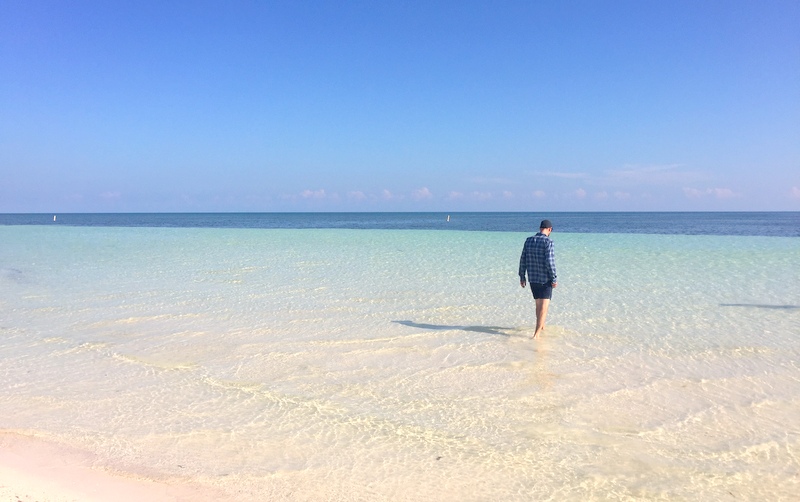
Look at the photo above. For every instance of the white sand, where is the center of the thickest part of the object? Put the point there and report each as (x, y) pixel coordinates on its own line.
(334, 365)
(33, 470)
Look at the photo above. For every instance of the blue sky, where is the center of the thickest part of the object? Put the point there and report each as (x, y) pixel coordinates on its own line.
(399, 106)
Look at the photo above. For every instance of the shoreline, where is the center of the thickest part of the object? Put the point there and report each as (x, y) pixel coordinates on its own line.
(37, 470)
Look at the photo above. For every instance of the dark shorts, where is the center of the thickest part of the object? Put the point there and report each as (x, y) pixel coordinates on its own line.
(542, 291)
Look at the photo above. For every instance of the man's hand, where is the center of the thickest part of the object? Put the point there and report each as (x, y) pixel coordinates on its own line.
(554, 284)
(522, 283)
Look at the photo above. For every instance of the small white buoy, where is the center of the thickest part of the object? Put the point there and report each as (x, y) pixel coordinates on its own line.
(54, 217)
(448, 217)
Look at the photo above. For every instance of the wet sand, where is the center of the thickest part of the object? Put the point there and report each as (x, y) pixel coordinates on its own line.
(33, 470)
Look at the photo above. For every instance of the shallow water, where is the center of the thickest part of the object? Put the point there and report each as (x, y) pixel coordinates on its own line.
(397, 364)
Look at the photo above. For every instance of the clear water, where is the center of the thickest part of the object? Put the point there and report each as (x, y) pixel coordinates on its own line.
(336, 364)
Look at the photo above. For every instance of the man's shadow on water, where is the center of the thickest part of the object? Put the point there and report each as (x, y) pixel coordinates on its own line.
(491, 330)
(761, 306)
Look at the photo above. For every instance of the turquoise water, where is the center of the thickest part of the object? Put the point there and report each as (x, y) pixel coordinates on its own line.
(307, 364)
(773, 224)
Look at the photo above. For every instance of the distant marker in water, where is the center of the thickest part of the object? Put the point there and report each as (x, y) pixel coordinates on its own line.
(448, 217)
(54, 217)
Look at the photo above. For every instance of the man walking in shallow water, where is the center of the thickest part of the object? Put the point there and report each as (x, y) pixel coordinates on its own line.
(539, 261)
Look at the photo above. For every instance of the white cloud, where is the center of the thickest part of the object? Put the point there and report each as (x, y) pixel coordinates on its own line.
(655, 174)
(455, 196)
(723, 193)
(508, 195)
(110, 195)
(481, 195)
(795, 193)
(601, 195)
(356, 195)
(422, 194)
(387, 195)
(538, 194)
(719, 193)
(622, 195)
(313, 194)
(580, 193)
(692, 193)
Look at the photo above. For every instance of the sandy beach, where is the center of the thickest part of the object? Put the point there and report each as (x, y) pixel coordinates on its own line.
(33, 470)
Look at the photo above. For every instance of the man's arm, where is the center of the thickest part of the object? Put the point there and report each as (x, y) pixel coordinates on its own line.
(551, 264)
(523, 266)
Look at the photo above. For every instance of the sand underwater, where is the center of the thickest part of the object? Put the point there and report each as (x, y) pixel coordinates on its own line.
(333, 364)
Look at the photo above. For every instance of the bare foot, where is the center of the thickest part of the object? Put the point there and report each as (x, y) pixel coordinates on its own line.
(536, 333)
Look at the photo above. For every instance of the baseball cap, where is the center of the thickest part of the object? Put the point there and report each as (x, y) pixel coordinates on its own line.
(546, 224)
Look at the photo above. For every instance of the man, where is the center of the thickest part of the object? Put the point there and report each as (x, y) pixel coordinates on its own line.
(539, 261)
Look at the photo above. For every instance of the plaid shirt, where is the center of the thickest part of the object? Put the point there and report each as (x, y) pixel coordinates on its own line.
(538, 260)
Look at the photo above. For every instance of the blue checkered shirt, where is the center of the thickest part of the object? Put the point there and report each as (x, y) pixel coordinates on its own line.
(538, 260)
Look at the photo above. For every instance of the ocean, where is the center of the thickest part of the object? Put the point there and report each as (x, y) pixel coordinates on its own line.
(387, 356)
(774, 224)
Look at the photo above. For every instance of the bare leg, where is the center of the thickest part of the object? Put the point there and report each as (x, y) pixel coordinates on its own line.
(541, 315)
